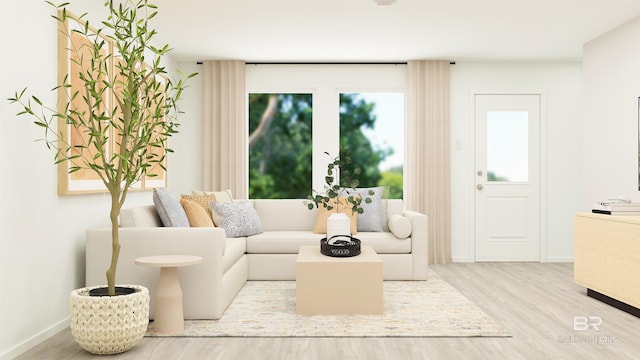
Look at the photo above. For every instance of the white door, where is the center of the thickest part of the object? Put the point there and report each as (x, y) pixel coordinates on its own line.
(507, 193)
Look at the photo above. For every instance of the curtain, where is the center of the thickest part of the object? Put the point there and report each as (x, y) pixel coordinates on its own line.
(224, 127)
(428, 160)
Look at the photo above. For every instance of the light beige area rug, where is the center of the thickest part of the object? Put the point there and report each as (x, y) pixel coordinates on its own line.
(431, 308)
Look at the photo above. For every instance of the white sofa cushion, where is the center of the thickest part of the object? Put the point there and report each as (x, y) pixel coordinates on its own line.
(234, 249)
(385, 243)
(140, 216)
(285, 214)
(281, 242)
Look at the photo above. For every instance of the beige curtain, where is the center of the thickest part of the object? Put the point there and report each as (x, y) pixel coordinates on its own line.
(428, 160)
(224, 127)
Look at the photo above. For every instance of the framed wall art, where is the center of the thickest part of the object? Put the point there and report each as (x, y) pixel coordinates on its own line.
(83, 52)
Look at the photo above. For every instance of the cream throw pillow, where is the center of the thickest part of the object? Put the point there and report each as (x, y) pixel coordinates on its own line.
(221, 196)
(323, 215)
(196, 214)
(400, 226)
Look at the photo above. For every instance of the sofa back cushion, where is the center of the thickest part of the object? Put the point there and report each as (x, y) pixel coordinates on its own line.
(140, 216)
(285, 214)
(394, 207)
(275, 214)
(293, 214)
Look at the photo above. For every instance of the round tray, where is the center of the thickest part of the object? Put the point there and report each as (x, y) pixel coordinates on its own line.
(345, 246)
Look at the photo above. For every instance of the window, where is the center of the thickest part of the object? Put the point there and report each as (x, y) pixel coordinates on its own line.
(348, 105)
(279, 146)
(507, 146)
(372, 134)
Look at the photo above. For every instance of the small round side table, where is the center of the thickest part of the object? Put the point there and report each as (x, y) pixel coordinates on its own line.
(169, 316)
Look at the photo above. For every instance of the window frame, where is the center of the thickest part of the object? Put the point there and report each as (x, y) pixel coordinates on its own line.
(325, 82)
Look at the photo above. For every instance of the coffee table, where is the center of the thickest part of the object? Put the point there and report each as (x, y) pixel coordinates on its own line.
(169, 316)
(334, 285)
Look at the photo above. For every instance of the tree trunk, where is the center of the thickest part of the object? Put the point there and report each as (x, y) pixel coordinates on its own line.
(265, 120)
(115, 242)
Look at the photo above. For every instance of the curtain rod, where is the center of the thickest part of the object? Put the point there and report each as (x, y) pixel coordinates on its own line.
(328, 63)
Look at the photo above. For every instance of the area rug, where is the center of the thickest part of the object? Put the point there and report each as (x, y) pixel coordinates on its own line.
(431, 308)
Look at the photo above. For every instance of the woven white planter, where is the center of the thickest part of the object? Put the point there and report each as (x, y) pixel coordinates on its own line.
(109, 324)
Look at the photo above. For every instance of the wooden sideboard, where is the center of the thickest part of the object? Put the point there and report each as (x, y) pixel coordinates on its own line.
(607, 258)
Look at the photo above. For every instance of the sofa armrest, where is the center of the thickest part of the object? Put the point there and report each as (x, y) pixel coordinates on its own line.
(199, 282)
(209, 243)
(419, 243)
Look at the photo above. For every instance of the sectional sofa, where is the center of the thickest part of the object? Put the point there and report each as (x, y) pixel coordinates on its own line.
(228, 262)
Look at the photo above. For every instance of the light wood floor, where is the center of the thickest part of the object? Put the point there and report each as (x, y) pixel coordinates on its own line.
(536, 302)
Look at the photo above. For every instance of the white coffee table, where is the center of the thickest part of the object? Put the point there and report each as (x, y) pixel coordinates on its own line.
(334, 285)
(169, 316)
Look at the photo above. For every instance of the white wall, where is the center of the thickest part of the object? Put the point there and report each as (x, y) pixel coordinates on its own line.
(185, 173)
(41, 233)
(612, 87)
(560, 85)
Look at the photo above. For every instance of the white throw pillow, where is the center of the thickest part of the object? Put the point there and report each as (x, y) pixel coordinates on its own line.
(400, 226)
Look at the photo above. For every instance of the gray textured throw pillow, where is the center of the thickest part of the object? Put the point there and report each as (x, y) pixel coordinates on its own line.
(169, 209)
(237, 219)
(372, 218)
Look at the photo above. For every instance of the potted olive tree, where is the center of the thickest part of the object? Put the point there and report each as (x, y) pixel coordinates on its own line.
(121, 140)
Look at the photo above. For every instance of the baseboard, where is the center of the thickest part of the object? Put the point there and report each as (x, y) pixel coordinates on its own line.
(551, 259)
(34, 340)
(559, 259)
(630, 309)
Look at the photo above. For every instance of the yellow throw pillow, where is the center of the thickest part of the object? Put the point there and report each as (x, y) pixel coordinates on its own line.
(202, 200)
(221, 196)
(196, 214)
(323, 215)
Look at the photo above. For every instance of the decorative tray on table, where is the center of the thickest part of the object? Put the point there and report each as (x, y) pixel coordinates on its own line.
(340, 246)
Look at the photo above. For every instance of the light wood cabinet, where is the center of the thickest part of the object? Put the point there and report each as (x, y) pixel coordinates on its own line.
(607, 255)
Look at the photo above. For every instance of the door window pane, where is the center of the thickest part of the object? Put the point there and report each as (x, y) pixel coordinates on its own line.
(280, 146)
(507, 146)
(372, 134)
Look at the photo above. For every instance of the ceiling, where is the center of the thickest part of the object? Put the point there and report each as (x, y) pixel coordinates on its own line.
(362, 31)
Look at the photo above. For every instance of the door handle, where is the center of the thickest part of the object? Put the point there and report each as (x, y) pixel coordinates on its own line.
(479, 187)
